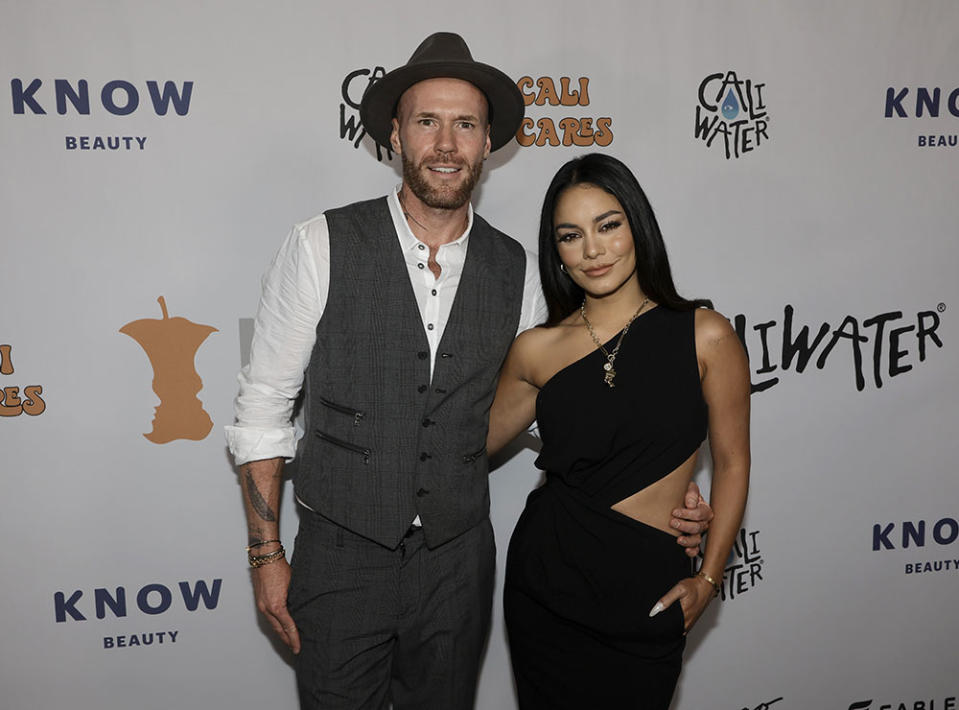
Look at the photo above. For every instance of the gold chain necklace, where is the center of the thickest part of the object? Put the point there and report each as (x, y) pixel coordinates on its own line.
(610, 356)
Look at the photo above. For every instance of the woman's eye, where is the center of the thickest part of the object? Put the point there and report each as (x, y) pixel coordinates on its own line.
(607, 226)
(567, 237)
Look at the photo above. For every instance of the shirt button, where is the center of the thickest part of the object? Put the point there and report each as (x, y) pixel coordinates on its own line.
(420, 265)
(421, 247)
(429, 326)
(433, 292)
(422, 354)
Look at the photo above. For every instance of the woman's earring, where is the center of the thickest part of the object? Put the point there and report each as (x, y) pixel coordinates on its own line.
(562, 267)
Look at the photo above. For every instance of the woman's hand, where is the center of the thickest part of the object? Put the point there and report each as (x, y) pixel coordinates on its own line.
(693, 594)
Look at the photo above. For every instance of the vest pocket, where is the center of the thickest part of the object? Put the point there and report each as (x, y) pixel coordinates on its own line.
(355, 448)
(470, 458)
(343, 409)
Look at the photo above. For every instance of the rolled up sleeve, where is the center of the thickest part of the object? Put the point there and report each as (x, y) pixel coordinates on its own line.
(294, 291)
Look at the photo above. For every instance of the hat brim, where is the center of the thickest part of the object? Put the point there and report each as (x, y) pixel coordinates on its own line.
(506, 105)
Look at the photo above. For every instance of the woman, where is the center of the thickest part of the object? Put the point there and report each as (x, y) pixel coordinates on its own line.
(625, 380)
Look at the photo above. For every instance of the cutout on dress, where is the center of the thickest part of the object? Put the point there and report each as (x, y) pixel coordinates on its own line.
(647, 497)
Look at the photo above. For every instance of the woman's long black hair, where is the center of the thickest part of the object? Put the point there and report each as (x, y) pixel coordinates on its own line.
(563, 296)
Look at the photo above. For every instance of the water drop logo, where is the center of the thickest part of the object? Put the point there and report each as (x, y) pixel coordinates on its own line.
(730, 106)
(734, 110)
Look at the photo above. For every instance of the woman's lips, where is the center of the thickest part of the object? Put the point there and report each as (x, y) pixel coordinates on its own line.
(596, 271)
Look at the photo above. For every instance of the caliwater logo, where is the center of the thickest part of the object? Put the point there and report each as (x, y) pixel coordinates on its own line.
(734, 110)
(13, 402)
(579, 131)
(917, 534)
(150, 600)
(351, 92)
(744, 569)
(118, 97)
(888, 345)
(927, 103)
(172, 344)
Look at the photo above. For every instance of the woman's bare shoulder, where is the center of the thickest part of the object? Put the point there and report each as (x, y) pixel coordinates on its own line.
(540, 339)
(717, 344)
(535, 352)
(712, 327)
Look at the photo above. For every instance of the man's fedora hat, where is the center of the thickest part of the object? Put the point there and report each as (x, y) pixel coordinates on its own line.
(445, 55)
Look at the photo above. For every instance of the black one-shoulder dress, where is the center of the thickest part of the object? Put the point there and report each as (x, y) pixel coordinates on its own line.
(581, 577)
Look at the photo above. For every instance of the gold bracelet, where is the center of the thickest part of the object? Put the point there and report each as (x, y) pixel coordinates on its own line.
(716, 587)
(261, 543)
(260, 560)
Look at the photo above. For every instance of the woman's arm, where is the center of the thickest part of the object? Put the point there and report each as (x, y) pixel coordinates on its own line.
(514, 406)
(725, 383)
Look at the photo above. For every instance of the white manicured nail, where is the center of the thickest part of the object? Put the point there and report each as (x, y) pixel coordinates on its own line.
(656, 609)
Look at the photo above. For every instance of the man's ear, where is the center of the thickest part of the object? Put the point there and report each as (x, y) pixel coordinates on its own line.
(395, 138)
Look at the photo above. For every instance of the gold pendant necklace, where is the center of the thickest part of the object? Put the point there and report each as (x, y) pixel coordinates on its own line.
(610, 356)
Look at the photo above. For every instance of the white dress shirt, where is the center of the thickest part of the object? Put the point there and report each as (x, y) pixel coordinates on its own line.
(295, 289)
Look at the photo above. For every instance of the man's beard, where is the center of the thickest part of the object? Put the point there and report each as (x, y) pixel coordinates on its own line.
(444, 198)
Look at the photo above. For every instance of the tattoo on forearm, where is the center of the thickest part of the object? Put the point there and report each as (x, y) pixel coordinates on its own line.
(254, 534)
(256, 499)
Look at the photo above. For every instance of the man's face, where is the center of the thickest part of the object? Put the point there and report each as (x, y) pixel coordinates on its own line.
(442, 134)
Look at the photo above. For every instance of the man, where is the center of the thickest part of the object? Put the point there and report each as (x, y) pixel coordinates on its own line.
(395, 315)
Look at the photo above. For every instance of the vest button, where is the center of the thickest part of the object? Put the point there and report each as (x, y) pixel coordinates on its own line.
(422, 354)
(424, 456)
(426, 422)
(421, 389)
(422, 492)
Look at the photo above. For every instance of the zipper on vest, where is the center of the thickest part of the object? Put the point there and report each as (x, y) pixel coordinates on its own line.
(365, 453)
(470, 458)
(343, 410)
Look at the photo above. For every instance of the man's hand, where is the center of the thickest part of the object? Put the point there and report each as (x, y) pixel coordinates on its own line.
(692, 521)
(270, 585)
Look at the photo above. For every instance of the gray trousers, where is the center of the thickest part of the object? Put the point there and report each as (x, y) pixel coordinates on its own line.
(406, 626)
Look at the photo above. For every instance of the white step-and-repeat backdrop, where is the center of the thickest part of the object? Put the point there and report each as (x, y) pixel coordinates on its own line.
(802, 159)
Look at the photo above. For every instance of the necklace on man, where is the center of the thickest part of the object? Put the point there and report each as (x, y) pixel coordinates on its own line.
(407, 214)
(610, 356)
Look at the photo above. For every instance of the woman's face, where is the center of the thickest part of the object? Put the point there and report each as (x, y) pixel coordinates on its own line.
(593, 239)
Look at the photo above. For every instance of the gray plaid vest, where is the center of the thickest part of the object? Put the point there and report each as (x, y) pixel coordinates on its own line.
(383, 443)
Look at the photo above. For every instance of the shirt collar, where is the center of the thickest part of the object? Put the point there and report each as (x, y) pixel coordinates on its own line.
(408, 240)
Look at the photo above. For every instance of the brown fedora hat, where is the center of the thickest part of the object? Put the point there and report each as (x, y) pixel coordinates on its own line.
(444, 55)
